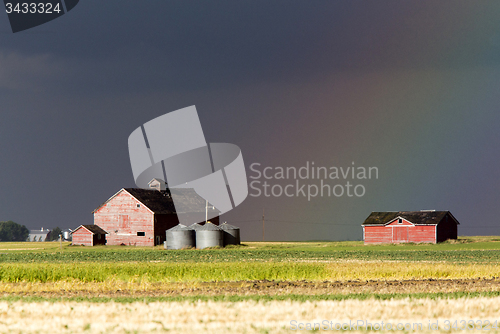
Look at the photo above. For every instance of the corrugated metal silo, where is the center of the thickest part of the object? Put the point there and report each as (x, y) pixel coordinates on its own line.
(209, 235)
(66, 234)
(231, 234)
(179, 237)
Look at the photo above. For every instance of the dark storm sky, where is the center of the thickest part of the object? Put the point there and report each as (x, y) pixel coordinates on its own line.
(409, 87)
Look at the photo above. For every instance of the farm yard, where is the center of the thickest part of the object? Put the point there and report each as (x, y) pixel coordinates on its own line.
(280, 287)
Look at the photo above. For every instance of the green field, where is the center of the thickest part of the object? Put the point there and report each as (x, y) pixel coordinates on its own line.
(467, 258)
(465, 250)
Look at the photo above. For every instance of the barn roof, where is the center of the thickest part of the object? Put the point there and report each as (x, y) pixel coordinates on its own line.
(160, 202)
(157, 201)
(415, 217)
(40, 232)
(92, 228)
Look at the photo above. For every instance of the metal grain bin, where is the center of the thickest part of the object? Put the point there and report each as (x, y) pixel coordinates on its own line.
(209, 235)
(231, 234)
(194, 227)
(179, 237)
(66, 234)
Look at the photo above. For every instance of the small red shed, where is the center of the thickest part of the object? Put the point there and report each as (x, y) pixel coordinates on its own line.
(409, 226)
(88, 235)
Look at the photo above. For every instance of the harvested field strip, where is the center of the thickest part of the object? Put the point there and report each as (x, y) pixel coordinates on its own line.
(400, 270)
(237, 271)
(244, 316)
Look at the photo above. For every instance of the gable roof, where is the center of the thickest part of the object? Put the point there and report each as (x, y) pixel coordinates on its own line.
(415, 217)
(39, 232)
(157, 184)
(160, 202)
(94, 229)
(156, 180)
(156, 201)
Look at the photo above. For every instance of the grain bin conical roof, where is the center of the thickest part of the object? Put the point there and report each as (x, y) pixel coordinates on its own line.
(208, 227)
(178, 227)
(227, 226)
(194, 226)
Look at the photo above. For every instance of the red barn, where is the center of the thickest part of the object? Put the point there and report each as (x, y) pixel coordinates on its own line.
(139, 217)
(88, 235)
(409, 226)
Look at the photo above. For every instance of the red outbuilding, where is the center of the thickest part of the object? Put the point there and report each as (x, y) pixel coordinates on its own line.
(409, 226)
(140, 217)
(88, 235)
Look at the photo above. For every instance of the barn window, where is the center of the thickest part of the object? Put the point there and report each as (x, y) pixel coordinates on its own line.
(141, 234)
(138, 205)
(400, 221)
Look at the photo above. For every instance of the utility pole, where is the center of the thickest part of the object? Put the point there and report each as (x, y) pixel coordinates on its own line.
(263, 225)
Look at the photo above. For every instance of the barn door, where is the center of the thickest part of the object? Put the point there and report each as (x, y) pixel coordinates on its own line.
(123, 224)
(400, 234)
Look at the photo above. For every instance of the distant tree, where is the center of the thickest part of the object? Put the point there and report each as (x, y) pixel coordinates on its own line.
(10, 231)
(54, 234)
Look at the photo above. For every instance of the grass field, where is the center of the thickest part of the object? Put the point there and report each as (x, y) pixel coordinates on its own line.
(465, 250)
(312, 261)
(238, 271)
(259, 276)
